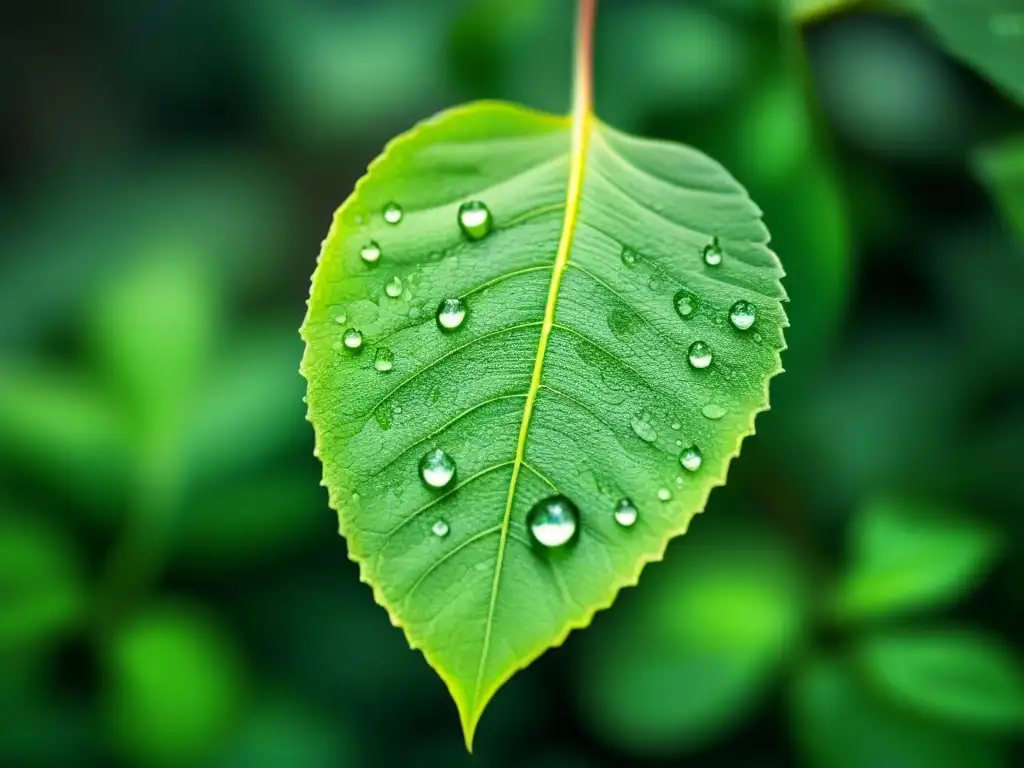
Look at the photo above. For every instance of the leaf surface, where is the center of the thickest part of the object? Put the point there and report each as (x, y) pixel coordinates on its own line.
(1001, 167)
(569, 374)
(986, 34)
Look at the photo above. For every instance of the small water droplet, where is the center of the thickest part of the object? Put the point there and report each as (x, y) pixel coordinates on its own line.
(691, 458)
(625, 513)
(679, 481)
(664, 494)
(437, 468)
(676, 425)
(353, 339)
(654, 284)
(440, 529)
(341, 319)
(383, 416)
(415, 312)
(713, 253)
(742, 315)
(393, 287)
(370, 252)
(384, 360)
(757, 337)
(398, 409)
(393, 213)
(643, 428)
(713, 411)
(451, 313)
(553, 521)
(475, 219)
(686, 303)
(679, 443)
(629, 256)
(700, 354)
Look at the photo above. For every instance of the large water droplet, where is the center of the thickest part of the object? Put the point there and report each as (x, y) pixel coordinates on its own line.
(353, 340)
(713, 253)
(393, 287)
(393, 213)
(691, 458)
(643, 428)
(475, 219)
(713, 411)
(370, 252)
(440, 529)
(700, 354)
(553, 521)
(451, 313)
(742, 315)
(437, 468)
(384, 360)
(625, 513)
(664, 494)
(686, 303)
(629, 256)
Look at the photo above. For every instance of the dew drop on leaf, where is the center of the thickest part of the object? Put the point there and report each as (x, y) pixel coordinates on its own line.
(676, 425)
(393, 213)
(370, 253)
(700, 354)
(685, 303)
(437, 468)
(691, 458)
(713, 253)
(664, 494)
(742, 315)
(440, 529)
(353, 340)
(628, 256)
(451, 313)
(625, 513)
(643, 428)
(713, 411)
(393, 287)
(553, 521)
(384, 360)
(341, 319)
(475, 220)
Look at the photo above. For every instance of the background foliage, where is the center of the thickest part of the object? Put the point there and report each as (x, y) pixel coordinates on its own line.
(172, 590)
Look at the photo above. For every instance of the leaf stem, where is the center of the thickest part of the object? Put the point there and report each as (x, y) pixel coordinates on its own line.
(583, 79)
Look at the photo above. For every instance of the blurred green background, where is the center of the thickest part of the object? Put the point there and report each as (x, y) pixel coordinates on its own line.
(172, 588)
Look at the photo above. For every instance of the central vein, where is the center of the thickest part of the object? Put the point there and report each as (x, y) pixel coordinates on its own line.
(580, 136)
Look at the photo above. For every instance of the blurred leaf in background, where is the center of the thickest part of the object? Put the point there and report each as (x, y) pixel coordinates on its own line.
(1001, 167)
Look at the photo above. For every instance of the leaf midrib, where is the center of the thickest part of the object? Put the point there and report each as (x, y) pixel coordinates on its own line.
(580, 137)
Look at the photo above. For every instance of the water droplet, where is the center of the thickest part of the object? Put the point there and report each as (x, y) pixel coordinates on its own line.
(691, 458)
(337, 346)
(629, 256)
(643, 428)
(757, 337)
(552, 521)
(679, 481)
(686, 303)
(664, 494)
(393, 287)
(713, 411)
(475, 219)
(370, 253)
(676, 425)
(450, 314)
(384, 360)
(353, 339)
(440, 529)
(625, 513)
(742, 315)
(393, 213)
(437, 468)
(700, 355)
(383, 416)
(340, 319)
(654, 284)
(679, 443)
(415, 312)
(713, 253)
(398, 409)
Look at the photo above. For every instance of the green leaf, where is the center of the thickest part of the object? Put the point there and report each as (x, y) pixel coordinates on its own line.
(41, 594)
(986, 34)
(838, 723)
(570, 373)
(1001, 167)
(910, 557)
(714, 623)
(963, 676)
(174, 686)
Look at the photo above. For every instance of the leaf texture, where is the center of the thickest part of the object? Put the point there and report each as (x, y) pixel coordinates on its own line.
(608, 258)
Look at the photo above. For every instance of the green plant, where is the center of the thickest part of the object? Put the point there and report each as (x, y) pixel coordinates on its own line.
(533, 345)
